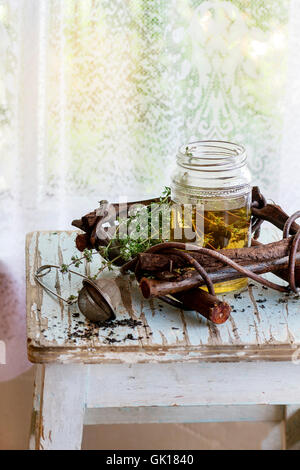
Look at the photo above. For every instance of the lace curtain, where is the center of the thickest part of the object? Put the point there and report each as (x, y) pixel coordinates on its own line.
(97, 95)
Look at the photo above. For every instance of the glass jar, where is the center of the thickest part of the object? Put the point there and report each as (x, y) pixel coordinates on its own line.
(211, 187)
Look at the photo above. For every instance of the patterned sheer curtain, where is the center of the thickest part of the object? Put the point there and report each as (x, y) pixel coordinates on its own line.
(96, 96)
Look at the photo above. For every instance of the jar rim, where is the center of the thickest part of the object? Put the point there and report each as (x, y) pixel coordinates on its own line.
(211, 155)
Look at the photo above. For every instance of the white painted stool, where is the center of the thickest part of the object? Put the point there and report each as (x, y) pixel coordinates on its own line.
(177, 368)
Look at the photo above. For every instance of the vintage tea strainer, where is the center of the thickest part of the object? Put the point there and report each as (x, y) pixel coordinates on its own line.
(97, 299)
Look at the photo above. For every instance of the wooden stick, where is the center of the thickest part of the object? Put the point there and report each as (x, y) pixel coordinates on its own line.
(191, 279)
(284, 272)
(208, 305)
(160, 261)
(275, 215)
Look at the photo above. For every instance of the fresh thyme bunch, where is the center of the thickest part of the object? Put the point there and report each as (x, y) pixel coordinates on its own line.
(144, 227)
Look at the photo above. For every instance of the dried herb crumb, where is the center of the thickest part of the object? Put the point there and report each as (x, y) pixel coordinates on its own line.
(112, 340)
(129, 336)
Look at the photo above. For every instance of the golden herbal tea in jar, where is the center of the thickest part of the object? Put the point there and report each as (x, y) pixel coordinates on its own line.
(212, 194)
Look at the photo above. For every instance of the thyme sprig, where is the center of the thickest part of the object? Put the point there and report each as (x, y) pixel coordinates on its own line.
(140, 230)
(77, 261)
(134, 234)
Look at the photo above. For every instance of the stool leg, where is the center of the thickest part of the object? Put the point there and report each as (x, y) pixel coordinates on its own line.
(58, 407)
(292, 427)
(275, 439)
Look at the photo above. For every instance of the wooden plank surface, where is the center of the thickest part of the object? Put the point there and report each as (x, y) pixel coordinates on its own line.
(198, 384)
(184, 414)
(257, 330)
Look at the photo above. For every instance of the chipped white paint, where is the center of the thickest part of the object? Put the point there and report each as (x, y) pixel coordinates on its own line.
(256, 330)
(180, 368)
(202, 384)
(58, 407)
(67, 396)
(184, 414)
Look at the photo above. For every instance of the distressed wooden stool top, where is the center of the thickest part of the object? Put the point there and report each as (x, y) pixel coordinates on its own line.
(265, 325)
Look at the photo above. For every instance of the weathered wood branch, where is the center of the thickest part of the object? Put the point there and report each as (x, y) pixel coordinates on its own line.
(209, 306)
(275, 215)
(160, 261)
(190, 279)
